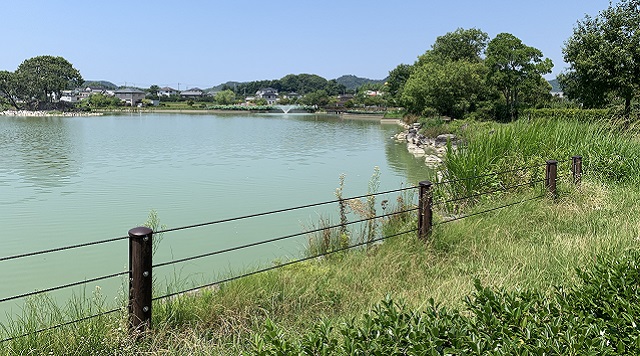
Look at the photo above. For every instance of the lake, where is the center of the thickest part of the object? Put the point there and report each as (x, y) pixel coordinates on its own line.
(66, 181)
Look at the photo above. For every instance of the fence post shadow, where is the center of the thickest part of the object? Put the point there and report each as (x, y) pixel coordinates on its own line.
(551, 178)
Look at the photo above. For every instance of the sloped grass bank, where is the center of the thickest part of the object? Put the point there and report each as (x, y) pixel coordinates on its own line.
(509, 288)
(518, 255)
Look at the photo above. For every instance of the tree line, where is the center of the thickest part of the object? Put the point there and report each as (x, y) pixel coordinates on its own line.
(465, 74)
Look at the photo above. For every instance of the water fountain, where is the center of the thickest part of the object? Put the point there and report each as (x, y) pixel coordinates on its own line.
(286, 108)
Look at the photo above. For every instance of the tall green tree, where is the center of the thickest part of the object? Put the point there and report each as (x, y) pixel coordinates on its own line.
(225, 97)
(42, 79)
(317, 98)
(603, 54)
(9, 88)
(451, 88)
(514, 69)
(396, 81)
(450, 77)
(461, 45)
(152, 92)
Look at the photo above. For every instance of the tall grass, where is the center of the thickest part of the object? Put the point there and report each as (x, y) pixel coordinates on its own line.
(609, 153)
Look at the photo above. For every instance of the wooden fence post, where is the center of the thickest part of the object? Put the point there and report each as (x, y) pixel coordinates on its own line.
(576, 168)
(140, 252)
(551, 174)
(425, 213)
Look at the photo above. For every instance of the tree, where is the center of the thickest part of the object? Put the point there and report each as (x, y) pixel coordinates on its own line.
(317, 98)
(8, 88)
(450, 77)
(452, 88)
(152, 92)
(225, 97)
(97, 101)
(461, 45)
(396, 81)
(42, 79)
(514, 68)
(604, 56)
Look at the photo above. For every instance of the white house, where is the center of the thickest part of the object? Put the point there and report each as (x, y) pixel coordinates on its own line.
(167, 91)
(268, 94)
(70, 96)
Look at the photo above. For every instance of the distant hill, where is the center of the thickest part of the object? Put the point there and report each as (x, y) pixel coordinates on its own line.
(555, 86)
(351, 82)
(222, 86)
(99, 84)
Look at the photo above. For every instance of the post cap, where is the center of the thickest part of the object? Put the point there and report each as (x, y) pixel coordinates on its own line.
(425, 183)
(140, 231)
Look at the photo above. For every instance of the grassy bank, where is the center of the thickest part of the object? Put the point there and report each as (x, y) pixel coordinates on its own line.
(532, 246)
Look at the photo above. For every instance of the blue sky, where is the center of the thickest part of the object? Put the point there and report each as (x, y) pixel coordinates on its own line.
(205, 43)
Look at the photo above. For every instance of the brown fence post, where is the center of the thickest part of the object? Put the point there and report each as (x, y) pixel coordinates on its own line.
(551, 174)
(425, 216)
(576, 168)
(140, 252)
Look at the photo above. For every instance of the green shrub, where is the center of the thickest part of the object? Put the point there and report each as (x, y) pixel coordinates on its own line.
(596, 317)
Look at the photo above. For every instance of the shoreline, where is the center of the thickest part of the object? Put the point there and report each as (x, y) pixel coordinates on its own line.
(42, 113)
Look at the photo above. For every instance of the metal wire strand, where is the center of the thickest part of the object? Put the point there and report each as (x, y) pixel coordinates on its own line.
(61, 325)
(57, 249)
(489, 192)
(488, 210)
(283, 265)
(489, 174)
(74, 284)
(276, 239)
(280, 210)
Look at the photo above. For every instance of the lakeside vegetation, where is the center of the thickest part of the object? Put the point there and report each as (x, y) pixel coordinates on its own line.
(552, 276)
(518, 255)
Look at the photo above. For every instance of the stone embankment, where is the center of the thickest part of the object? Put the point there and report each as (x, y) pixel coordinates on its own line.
(27, 113)
(432, 149)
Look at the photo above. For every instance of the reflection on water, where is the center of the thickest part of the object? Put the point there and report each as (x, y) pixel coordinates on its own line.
(41, 151)
(402, 162)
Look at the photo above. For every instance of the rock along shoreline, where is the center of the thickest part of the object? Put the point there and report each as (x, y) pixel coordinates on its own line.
(432, 149)
(40, 113)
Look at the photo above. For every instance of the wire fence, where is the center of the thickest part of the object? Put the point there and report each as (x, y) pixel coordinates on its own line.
(140, 239)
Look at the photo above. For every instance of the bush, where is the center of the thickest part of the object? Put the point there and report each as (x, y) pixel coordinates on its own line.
(595, 317)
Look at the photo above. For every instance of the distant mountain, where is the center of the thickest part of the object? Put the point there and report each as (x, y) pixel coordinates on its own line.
(99, 84)
(351, 82)
(555, 86)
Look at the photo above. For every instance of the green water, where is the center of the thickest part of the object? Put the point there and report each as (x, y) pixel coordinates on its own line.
(65, 181)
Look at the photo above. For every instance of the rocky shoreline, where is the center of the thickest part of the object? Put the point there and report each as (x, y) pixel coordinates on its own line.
(432, 149)
(28, 113)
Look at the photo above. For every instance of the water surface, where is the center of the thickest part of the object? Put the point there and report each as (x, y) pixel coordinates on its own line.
(72, 180)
